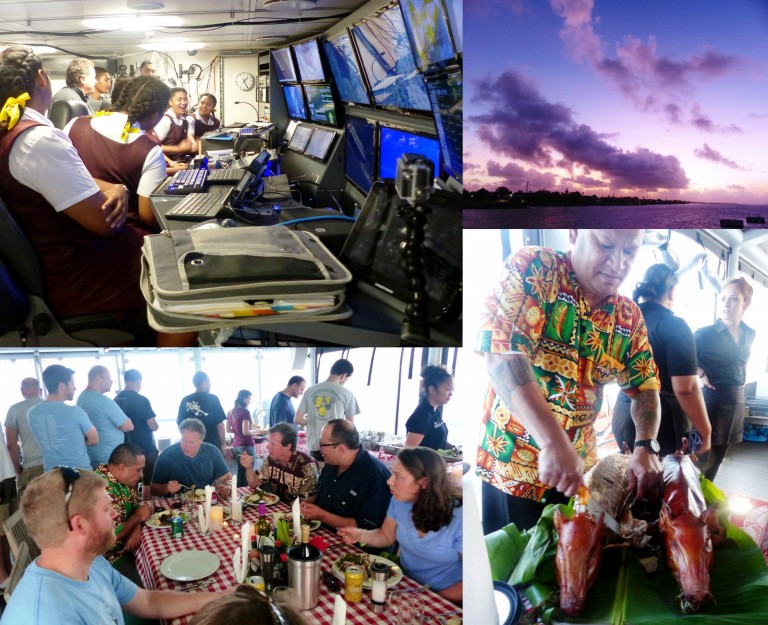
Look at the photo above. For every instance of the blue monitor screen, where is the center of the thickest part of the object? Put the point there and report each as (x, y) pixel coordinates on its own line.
(445, 93)
(359, 139)
(346, 72)
(388, 62)
(320, 104)
(427, 26)
(394, 143)
(286, 72)
(456, 19)
(294, 100)
(308, 61)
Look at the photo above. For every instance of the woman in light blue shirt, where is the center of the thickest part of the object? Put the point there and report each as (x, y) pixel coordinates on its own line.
(424, 516)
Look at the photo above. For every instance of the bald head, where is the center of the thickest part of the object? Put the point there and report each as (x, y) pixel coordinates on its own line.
(602, 259)
(99, 379)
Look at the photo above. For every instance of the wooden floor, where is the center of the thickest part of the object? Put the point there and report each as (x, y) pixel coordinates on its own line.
(745, 471)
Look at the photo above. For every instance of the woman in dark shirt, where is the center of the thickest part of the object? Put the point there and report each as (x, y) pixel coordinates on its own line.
(723, 351)
(674, 352)
(425, 426)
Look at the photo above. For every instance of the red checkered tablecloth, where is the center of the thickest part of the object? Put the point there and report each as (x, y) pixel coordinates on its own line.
(157, 544)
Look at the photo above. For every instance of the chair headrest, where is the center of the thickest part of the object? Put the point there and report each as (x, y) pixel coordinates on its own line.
(62, 111)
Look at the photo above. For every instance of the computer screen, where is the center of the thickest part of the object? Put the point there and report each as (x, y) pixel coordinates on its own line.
(346, 71)
(286, 71)
(359, 139)
(300, 138)
(456, 19)
(292, 125)
(388, 64)
(320, 104)
(445, 93)
(308, 61)
(320, 143)
(427, 25)
(294, 100)
(393, 143)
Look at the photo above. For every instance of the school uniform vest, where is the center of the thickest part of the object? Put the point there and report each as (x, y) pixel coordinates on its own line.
(83, 273)
(105, 159)
(201, 127)
(176, 135)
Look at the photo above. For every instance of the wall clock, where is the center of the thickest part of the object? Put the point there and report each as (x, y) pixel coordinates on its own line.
(244, 81)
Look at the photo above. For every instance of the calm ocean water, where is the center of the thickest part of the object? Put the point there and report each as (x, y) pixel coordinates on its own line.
(652, 216)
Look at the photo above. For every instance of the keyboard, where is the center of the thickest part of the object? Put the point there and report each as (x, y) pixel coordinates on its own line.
(200, 206)
(187, 181)
(230, 176)
(276, 188)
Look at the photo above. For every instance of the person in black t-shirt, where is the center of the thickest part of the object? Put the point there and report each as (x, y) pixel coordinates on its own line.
(206, 407)
(425, 427)
(138, 409)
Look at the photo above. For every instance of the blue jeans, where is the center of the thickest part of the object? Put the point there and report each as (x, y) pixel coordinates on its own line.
(251, 451)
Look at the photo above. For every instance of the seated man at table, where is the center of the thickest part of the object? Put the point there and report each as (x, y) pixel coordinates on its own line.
(352, 490)
(69, 514)
(123, 472)
(188, 462)
(287, 472)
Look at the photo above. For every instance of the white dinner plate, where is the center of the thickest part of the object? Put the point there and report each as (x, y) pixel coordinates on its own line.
(268, 498)
(189, 566)
(163, 519)
(394, 578)
(288, 516)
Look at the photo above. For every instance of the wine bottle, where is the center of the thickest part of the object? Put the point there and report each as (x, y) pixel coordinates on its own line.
(263, 527)
(305, 552)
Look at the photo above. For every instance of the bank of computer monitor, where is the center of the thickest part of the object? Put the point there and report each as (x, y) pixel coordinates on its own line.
(445, 93)
(427, 24)
(342, 60)
(393, 143)
(300, 138)
(359, 141)
(294, 101)
(292, 125)
(456, 20)
(320, 104)
(284, 67)
(308, 61)
(320, 144)
(387, 62)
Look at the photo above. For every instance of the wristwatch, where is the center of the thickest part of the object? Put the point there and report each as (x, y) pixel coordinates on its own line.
(650, 443)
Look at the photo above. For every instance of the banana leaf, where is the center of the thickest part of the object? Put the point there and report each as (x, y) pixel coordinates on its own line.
(537, 564)
(505, 547)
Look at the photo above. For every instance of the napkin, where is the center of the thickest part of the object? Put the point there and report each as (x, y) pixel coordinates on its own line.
(339, 611)
(208, 499)
(240, 559)
(296, 512)
(237, 566)
(234, 502)
(203, 520)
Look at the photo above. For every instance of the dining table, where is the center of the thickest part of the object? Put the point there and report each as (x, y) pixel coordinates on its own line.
(157, 544)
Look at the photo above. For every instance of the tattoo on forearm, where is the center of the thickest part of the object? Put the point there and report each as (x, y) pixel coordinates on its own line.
(510, 374)
(646, 413)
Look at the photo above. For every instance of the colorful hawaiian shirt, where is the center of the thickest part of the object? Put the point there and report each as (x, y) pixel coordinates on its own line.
(124, 501)
(539, 310)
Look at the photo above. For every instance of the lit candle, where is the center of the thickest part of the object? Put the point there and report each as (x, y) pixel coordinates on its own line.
(245, 534)
(217, 518)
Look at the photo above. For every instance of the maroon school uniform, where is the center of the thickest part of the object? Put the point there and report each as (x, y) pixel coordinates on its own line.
(84, 273)
(201, 127)
(176, 135)
(119, 163)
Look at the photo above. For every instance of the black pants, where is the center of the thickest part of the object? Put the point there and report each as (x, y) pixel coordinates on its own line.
(712, 461)
(500, 509)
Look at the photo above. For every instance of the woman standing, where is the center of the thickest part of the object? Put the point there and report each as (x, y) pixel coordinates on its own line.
(674, 351)
(425, 517)
(239, 423)
(723, 351)
(425, 427)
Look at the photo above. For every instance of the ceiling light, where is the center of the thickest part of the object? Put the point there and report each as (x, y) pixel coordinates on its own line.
(137, 23)
(172, 46)
(286, 5)
(145, 5)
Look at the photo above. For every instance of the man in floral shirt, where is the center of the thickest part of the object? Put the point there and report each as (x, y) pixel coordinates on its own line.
(554, 332)
(123, 473)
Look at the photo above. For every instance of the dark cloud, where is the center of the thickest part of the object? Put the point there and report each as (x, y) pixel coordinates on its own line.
(521, 124)
(471, 166)
(516, 177)
(705, 124)
(737, 187)
(709, 154)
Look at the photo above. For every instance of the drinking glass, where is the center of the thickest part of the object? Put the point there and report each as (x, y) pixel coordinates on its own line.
(283, 595)
(406, 609)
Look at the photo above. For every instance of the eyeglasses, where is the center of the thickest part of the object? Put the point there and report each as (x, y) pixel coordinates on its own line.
(328, 444)
(70, 476)
(277, 613)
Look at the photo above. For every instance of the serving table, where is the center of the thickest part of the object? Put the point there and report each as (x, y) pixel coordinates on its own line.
(157, 544)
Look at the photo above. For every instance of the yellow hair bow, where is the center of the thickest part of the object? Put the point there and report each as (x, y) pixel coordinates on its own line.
(12, 109)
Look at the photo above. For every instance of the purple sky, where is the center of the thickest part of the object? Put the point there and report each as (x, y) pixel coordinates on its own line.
(654, 98)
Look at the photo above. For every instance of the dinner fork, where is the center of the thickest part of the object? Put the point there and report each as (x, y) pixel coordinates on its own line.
(202, 585)
(419, 589)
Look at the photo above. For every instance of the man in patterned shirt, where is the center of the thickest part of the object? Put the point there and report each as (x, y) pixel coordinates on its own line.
(289, 472)
(554, 332)
(123, 473)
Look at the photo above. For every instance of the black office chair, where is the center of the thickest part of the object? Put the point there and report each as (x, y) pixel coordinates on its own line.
(26, 319)
(64, 110)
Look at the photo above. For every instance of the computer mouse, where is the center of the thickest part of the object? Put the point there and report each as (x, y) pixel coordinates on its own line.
(228, 223)
(206, 225)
